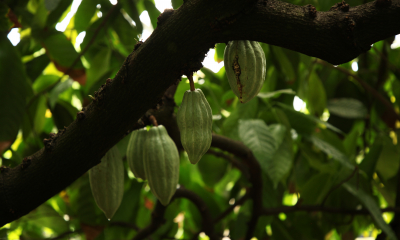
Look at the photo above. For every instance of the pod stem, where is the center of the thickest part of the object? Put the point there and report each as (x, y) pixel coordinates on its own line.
(153, 120)
(191, 82)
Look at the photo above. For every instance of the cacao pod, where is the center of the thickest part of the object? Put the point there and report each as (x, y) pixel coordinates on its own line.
(245, 68)
(161, 164)
(134, 153)
(107, 182)
(194, 119)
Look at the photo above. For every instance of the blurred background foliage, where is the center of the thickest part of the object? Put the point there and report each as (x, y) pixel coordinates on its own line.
(311, 126)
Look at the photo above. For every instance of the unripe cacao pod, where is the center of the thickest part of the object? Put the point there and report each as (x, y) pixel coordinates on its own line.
(194, 119)
(107, 182)
(245, 68)
(134, 153)
(161, 164)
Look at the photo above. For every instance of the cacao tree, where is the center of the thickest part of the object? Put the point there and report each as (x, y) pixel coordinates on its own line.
(315, 155)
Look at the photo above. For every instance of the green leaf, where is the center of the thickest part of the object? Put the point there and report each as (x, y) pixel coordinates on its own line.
(84, 14)
(219, 52)
(176, 3)
(153, 12)
(61, 51)
(285, 65)
(130, 7)
(331, 145)
(58, 12)
(257, 136)
(372, 207)
(13, 90)
(128, 34)
(388, 162)
(57, 90)
(368, 164)
(40, 118)
(282, 160)
(63, 114)
(35, 67)
(316, 96)
(99, 66)
(44, 81)
(5, 23)
(347, 108)
(316, 188)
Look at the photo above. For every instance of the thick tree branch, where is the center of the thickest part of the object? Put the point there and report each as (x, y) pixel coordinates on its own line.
(177, 47)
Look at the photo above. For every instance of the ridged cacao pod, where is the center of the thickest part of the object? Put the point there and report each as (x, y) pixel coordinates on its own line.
(161, 164)
(194, 119)
(134, 153)
(107, 182)
(245, 67)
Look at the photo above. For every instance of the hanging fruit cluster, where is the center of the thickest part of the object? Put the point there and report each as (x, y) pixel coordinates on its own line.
(153, 156)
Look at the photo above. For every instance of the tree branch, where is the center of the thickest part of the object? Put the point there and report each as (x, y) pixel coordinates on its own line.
(289, 209)
(177, 48)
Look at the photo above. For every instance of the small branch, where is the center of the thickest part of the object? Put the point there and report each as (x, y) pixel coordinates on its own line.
(365, 85)
(157, 217)
(232, 160)
(240, 150)
(231, 208)
(302, 208)
(338, 185)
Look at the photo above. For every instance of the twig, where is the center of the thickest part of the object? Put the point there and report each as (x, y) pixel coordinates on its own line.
(157, 217)
(339, 184)
(316, 208)
(232, 160)
(240, 150)
(190, 76)
(77, 58)
(153, 120)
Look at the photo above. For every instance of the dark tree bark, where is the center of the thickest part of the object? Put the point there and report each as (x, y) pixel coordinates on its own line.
(177, 46)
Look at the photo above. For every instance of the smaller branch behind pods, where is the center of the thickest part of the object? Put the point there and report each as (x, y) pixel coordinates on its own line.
(153, 120)
(190, 76)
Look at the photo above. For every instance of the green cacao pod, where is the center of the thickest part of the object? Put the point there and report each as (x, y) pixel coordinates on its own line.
(134, 153)
(161, 164)
(245, 67)
(194, 119)
(107, 182)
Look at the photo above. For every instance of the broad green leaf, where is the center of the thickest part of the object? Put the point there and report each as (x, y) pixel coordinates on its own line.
(128, 34)
(302, 123)
(285, 65)
(316, 159)
(84, 14)
(316, 96)
(57, 90)
(282, 160)
(372, 207)
(57, 13)
(248, 110)
(63, 114)
(13, 90)
(153, 12)
(388, 162)
(276, 94)
(368, 164)
(43, 82)
(331, 145)
(40, 118)
(316, 188)
(257, 136)
(61, 51)
(98, 66)
(35, 67)
(131, 9)
(347, 108)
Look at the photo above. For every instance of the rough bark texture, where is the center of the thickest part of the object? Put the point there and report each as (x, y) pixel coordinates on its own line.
(177, 47)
